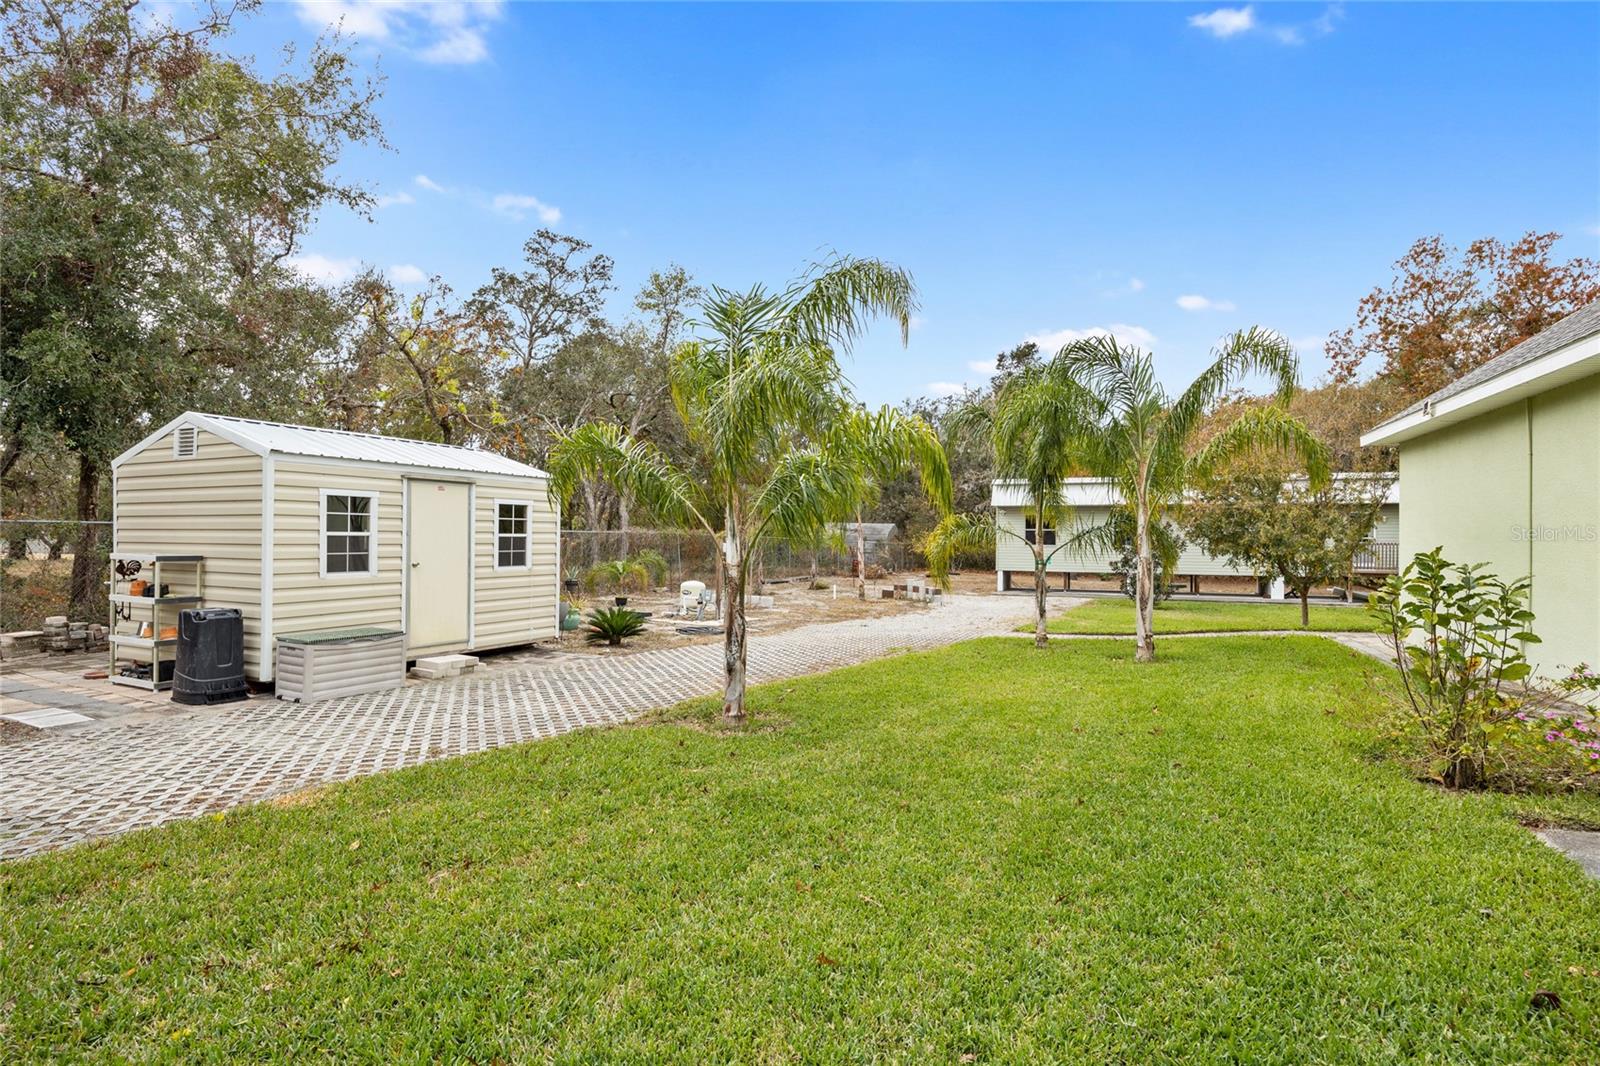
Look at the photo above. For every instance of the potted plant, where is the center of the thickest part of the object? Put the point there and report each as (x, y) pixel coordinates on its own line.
(617, 575)
(571, 613)
(571, 580)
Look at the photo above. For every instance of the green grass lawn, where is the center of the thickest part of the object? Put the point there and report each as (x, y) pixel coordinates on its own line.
(1200, 616)
(994, 851)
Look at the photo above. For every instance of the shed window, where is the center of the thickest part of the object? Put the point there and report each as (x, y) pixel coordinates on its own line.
(510, 535)
(347, 524)
(1030, 530)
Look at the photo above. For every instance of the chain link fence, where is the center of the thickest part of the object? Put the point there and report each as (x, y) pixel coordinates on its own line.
(681, 556)
(36, 570)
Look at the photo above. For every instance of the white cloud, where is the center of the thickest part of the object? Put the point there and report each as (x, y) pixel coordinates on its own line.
(1310, 344)
(1050, 342)
(324, 268)
(1135, 284)
(1195, 302)
(945, 388)
(516, 205)
(982, 366)
(434, 31)
(458, 46)
(408, 274)
(1225, 21)
(393, 198)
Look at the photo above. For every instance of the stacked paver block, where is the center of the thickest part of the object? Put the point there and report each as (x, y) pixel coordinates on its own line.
(61, 635)
(439, 667)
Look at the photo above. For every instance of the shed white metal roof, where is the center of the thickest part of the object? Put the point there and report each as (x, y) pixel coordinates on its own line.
(280, 438)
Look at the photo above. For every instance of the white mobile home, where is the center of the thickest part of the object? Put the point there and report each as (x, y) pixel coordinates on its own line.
(314, 529)
(1089, 501)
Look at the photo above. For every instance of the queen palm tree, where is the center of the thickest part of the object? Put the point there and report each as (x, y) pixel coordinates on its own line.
(1143, 439)
(885, 443)
(1036, 424)
(769, 416)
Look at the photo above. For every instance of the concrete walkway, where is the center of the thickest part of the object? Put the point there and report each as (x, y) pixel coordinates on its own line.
(91, 782)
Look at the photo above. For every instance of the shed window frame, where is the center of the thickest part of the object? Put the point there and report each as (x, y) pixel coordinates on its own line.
(1030, 531)
(370, 533)
(502, 537)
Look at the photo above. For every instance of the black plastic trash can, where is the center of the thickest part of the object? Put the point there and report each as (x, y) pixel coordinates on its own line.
(210, 656)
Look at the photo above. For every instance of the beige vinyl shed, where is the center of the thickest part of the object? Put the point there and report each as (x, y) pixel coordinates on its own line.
(314, 529)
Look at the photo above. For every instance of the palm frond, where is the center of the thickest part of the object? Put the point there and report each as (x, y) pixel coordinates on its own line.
(833, 304)
(889, 442)
(957, 533)
(809, 489)
(1250, 351)
(636, 467)
(1263, 429)
(1103, 537)
(1122, 378)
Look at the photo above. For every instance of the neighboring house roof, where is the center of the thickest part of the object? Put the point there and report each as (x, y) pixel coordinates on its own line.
(1565, 352)
(279, 438)
(1102, 492)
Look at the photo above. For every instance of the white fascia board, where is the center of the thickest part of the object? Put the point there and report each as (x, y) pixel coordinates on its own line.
(199, 421)
(1576, 360)
(1101, 492)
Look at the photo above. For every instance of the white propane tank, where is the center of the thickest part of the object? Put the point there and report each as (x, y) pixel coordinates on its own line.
(689, 596)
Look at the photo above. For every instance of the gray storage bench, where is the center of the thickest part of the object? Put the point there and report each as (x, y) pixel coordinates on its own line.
(339, 662)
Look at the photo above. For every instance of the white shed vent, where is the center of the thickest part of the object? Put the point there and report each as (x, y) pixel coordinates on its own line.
(185, 442)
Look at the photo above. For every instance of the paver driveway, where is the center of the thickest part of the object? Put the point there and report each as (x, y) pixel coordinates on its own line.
(61, 789)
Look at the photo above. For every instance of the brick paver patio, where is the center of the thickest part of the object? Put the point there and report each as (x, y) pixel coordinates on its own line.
(95, 782)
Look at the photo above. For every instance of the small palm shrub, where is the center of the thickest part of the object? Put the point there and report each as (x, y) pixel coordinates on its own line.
(617, 575)
(1479, 714)
(612, 624)
(653, 564)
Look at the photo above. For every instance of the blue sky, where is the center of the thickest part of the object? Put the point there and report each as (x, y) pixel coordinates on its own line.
(1170, 171)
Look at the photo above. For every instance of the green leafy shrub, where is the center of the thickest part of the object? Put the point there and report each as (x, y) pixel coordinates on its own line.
(653, 564)
(1474, 706)
(612, 624)
(617, 575)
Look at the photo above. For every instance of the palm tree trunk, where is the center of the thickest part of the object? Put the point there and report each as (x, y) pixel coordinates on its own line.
(1144, 589)
(1041, 589)
(733, 636)
(861, 560)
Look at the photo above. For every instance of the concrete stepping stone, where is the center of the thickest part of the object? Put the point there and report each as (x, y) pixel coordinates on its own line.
(47, 718)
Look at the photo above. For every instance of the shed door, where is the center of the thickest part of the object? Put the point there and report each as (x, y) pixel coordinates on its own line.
(438, 564)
